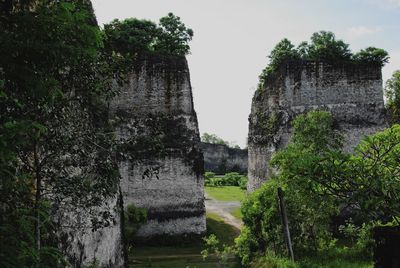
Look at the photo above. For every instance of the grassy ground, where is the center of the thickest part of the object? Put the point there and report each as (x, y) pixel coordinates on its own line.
(226, 193)
(237, 213)
(333, 258)
(224, 232)
(184, 256)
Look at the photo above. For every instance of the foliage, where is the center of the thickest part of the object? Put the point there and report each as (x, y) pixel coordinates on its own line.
(131, 36)
(134, 219)
(319, 180)
(323, 46)
(209, 175)
(271, 260)
(213, 139)
(392, 92)
(372, 55)
(229, 179)
(173, 37)
(282, 52)
(213, 246)
(54, 148)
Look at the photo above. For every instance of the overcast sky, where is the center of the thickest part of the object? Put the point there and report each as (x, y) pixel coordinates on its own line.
(232, 39)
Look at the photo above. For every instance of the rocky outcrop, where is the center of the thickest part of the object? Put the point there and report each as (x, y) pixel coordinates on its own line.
(351, 92)
(86, 244)
(221, 159)
(160, 161)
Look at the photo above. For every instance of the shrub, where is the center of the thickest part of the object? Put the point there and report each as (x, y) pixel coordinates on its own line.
(134, 219)
(229, 179)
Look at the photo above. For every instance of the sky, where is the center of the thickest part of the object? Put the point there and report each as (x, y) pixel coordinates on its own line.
(232, 39)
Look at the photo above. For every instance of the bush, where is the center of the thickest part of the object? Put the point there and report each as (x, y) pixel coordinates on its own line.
(229, 179)
(134, 219)
(271, 260)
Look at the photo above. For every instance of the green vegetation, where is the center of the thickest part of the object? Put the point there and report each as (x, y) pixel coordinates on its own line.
(131, 36)
(237, 213)
(323, 46)
(229, 179)
(319, 181)
(332, 258)
(133, 219)
(225, 233)
(226, 193)
(214, 139)
(187, 255)
(392, 91)
(55, 147)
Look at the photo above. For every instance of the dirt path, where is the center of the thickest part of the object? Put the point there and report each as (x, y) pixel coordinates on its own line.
(224, 209)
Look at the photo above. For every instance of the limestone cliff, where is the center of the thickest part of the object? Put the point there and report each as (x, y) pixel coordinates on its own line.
(160, 162)
(351, 92)
(222, 159)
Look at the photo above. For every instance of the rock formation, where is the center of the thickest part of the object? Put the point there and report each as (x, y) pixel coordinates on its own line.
(351, 92)
(222, 159)
(161, 164)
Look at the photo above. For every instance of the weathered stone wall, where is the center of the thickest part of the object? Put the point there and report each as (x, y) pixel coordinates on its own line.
(351, 92)
(160, 161)
(83, 245)
(221, 159)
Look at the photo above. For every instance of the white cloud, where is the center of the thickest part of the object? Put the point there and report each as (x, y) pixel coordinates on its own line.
(360, 31)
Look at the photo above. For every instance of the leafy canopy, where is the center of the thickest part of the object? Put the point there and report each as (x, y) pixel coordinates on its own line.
(130, 36)
(320, 181)
(323, 46)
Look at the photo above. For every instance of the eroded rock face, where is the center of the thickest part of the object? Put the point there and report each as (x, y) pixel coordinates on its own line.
(222, 159)
(353, 93)
(85, 245)
(161, 163)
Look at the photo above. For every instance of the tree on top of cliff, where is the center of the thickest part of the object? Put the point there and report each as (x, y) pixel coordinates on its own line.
(323, 47)
(173, 37)
(282, 52)
(131, 36)
(372, 55)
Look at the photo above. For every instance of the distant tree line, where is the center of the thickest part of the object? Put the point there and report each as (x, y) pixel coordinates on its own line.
(323, 46)
(214, 139)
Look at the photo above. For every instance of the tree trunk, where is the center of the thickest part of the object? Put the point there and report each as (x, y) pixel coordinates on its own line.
(285, 223)
(38, 197)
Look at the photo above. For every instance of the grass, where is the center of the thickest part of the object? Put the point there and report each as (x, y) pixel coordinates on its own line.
(226, 193)
(237, 213)
(184, 256)
(225, 233)
(333, 258)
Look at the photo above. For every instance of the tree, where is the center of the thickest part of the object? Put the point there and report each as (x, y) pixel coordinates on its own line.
(372, 55)
(392, 91)
(173, 36)
(56, 153)
(282, 52)
(130, 35)
(324, 46)
(213, 139)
